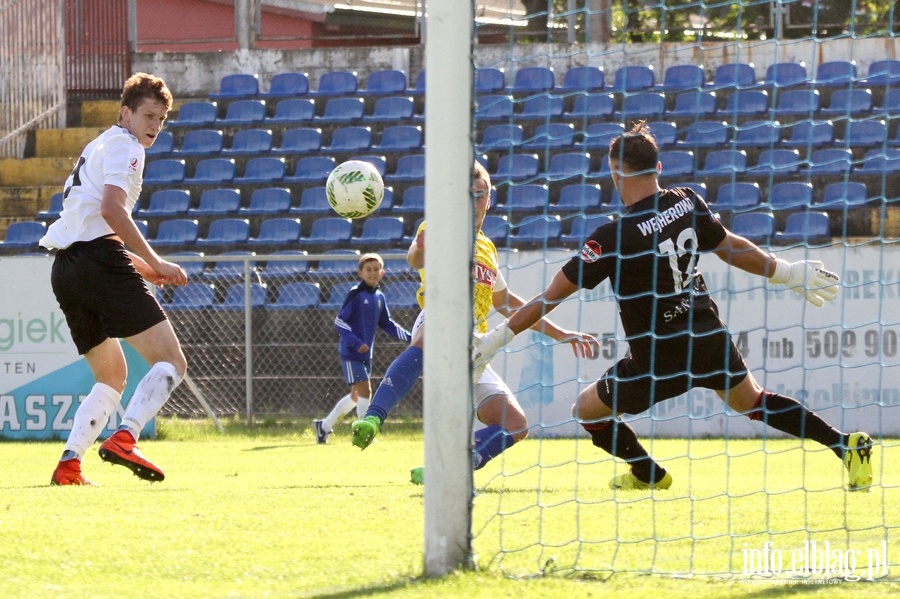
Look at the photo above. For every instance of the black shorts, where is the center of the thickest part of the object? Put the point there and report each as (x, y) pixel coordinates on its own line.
(708, 360)
(101, 294)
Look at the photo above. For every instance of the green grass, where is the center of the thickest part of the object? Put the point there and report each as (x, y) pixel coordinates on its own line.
(265, 512)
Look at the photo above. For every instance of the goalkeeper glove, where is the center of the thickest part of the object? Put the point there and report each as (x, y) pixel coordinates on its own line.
(808, 278)
(485, 346)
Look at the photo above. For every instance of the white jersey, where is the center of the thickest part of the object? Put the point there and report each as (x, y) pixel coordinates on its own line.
(114, 158)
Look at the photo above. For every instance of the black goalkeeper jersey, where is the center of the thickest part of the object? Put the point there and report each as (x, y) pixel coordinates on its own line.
(650, 257)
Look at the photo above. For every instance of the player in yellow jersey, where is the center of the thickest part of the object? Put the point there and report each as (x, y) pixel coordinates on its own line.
(495, 404)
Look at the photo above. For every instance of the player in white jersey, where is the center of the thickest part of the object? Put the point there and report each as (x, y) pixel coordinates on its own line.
(99, 284)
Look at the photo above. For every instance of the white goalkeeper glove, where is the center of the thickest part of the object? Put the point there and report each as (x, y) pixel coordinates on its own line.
(485, 346)
(808, 278)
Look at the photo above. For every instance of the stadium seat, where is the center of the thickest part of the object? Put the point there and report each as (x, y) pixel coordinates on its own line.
(810, 134)
(394, 108)
(143, 227)
(844, 194)
(419, 88)
(213, 171)
(24, 234)
(268, 201)
(336, 83)
(192, 269)
(835, 73)
(200, 142)
(544, 229)
(303, 140)
(402, 294)
(695, 104)
(312, 201)
(644, 105)
(597, 136)
(343, 262)
(226, 232)
(166, 171)
(582, 226)
(277, 232)
(496, 227)
(380, 230)
(677, 163)
(682, 78)
(243, 113)
(195, 114)
(786, 74)
(829, 161)
(736, 195)
(351, 138)
(746, 102)
(384, 82)
(515, 167)
(587, 79)
(500, 138)
(342, 111)
(287, 85)
(776, 162)
(526, 198)
(489, 80)
(162, 145)
(297, 296)
(633, 78)
(549, 137)
(883, 73)
(238, 85)
(175, 232)
(193, 296)
(400, 138)
(337, 294)
(166, 203)
(723, 163)
(797, 102)
(736, 75)
(230, 270)
(758, 134)
(587, 107)
(805, 228)
(705, 134)
(665, 132)
(494, 108)
(578, 197)
(758, 227)
(541, 107)
(55, 207)
(790, 194)
(295, 264)
(413, 200)
(292, 111)
(532, 80)
(890, 105)
(410, 167)
(879, 161)
(328, 231)
(849, 102)
(312, 170)
(250, 142)
(235, 300)
(567, 165)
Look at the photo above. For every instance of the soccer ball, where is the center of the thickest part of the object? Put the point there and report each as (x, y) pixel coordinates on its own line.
(354, 189)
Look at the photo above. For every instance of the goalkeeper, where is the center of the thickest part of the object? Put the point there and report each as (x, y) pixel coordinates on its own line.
(676, 337)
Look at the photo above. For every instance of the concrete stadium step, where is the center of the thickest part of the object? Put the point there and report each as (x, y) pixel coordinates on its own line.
(66, 143)
(35, 172)
(99, 113)
(24, 203)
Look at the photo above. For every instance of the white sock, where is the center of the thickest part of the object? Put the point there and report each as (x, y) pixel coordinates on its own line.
(340, 409)
(152, 392)
(91, 417)
(362, 405)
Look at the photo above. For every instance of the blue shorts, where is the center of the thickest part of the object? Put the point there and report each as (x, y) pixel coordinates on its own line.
(355, 371)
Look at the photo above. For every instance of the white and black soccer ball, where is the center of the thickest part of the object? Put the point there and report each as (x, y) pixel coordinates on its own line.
(354, 189)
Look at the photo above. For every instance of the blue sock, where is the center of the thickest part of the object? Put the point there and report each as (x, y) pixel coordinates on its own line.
(400, 377)
(490, 442)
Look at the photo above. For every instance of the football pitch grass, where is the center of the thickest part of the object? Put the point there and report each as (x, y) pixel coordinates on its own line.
(265, 512)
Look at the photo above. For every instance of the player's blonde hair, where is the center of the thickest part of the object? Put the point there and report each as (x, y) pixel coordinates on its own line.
(142, 85)
(370, 257)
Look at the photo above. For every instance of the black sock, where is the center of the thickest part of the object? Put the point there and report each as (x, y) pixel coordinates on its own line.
(790, 416)
(617, 438)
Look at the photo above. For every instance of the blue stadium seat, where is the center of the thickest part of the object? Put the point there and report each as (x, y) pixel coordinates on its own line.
(489, 80)
(800, 102)
(496, 228)
(336, 83)
(597, 136)
(237, 85)
(413, 200)
(277, 232)
(665, 132)
(297, 296)
(551, 137)
(234, 297)
(677, 163)
(193, 296)
(175, 232)
(500, 138)
(746, 102)
(55, 207)
(844, 194)
(890, 105)
(544, 229)
(217, 202)
(582, 226)
(166, 203)
(582, 79)
(292, 111)
(697, 104)
(542, 107)
(494, 108)
(226, 232)
(806, 228)
(328, 231)
(568, 165)
(312, 170)
(736, 195)
(230, 270)
(883, 72)
(790, 194)
(644, 105)
(683, 77)
(526, 198)
(532, 80)
(195, 114)
(24, 234)
(758, 134)
(200, 142)
(243, 112)
(849, 102)
(880, 161)
(410, 167)
(312, 201)
(268, 201)
(419, 88)
(830, 161)
(385, 82)
(400, 138)
(380, 230)
(515, 167)
(776, 162)
(337, 294)
(342, 111)
(810, 134)
(723, 163)
(735, 75)
(633, 78)
(162, 145)
(250, 142)
(786, 74)
(303, 140)
(351, 138)
(345, 263)
(287, 85)
(191, 269)
(835, 73)
(390, 109)
(278, 270)
(705, 134)
(166, 171)
(758, 227)
(402, 294)
(143, 227)
(212, 171)
(578, 197)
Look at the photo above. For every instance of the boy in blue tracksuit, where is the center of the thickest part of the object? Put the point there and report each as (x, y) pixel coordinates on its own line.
(363, 311)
